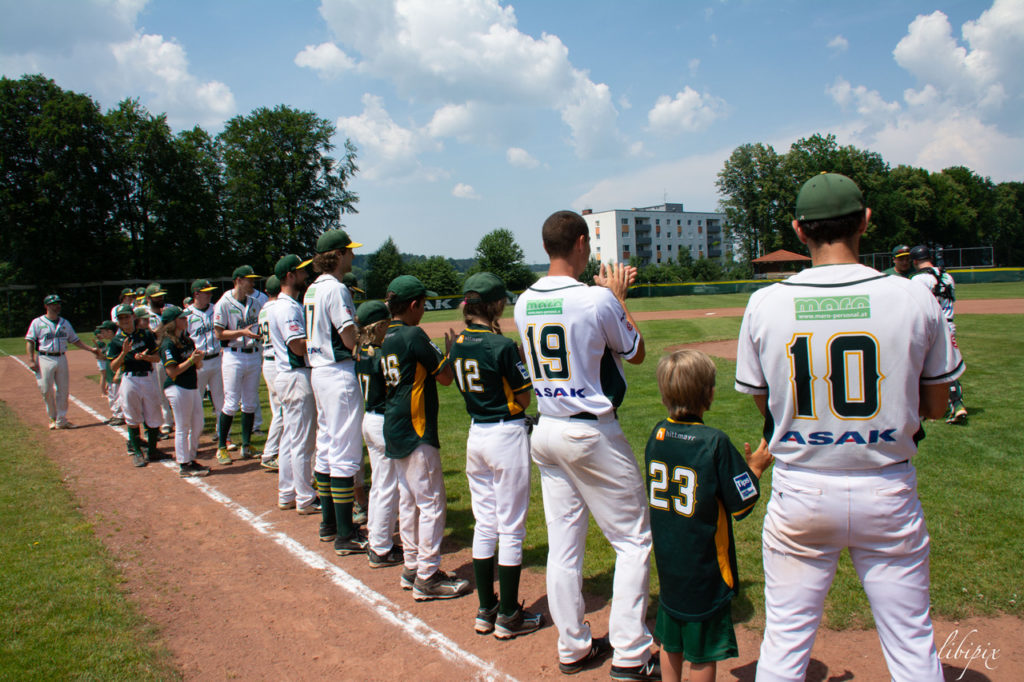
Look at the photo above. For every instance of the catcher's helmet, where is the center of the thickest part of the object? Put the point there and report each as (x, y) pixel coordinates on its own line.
(920, 252)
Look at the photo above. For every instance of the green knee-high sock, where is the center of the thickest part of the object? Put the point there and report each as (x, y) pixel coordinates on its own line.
(483, 572)
(223, 429)
(134, 440)
(323, 488)
(152, 438)
(508, 588)
(343, 494)
(248, 419)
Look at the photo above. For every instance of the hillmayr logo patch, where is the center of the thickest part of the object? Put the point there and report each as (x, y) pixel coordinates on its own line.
(547, 306)
(832, 307)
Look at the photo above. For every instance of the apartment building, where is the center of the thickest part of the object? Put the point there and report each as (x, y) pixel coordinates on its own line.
(656, 234)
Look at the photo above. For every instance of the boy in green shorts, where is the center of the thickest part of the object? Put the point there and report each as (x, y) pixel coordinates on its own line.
(697, 482)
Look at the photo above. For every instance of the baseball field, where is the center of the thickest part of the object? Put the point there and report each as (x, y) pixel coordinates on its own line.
(111, 572)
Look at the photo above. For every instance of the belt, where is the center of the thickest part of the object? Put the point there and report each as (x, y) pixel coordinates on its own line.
(211, 356)
(52, 355)
(242, 350)
(499, 420)
(140, 373)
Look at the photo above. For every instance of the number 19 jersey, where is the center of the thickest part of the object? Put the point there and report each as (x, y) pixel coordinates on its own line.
(575, 338)
(841, 351)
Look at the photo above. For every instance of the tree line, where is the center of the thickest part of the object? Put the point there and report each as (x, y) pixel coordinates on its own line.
(955, 207)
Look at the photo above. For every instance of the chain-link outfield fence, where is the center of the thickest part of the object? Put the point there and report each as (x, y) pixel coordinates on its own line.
(966, 257)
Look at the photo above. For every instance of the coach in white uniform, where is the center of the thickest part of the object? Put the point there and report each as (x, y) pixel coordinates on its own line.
(868, 356)
(204, 336)
(286, 326)
(271, 447)
(575, 338)
(48, 337)
(234, 320)
(330, 321)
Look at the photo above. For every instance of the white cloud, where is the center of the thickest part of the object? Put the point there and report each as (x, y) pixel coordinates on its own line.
(520, 158)
(386, 149)
(326, 59)
(693, 65)
(466, 52)
(868, 103)
(464, 191)
(689, 111)
(839, 44)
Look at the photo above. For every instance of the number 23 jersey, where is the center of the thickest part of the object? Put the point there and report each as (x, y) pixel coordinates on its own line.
(841, 351)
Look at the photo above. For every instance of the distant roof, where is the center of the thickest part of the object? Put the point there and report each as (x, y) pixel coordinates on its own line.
(781, 256)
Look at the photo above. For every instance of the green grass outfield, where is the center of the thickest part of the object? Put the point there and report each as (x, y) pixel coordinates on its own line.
(64, 616)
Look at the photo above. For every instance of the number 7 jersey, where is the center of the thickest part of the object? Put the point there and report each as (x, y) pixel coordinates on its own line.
(841, 352)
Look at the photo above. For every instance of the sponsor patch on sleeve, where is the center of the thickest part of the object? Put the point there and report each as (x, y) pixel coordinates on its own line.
(744, 486)
(661, 434)
(522, 370)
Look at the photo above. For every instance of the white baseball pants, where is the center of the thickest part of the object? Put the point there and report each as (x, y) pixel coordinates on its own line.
(383, 504)
(52, 379)
(295, 453)
(209, 377)
(589, 466)
(273, 443)
(159, 376)
(241, 374)
(498, 469)
(113, 401)
(140, 400)
(339, 419)
(811, 517)
(187, 406)
(422, 508)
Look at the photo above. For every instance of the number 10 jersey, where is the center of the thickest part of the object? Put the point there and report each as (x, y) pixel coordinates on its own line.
(841, 351)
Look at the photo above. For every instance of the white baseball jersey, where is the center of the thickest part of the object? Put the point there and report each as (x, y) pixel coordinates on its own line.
(575, 338)
(264, 329)
(928, 280)
(229, 313)
(844, 349)
(200, 329)
(329, 310)
(51, 336)
(285, 323)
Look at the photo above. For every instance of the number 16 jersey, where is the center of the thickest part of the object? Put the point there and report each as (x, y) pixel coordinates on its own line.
(841, 351)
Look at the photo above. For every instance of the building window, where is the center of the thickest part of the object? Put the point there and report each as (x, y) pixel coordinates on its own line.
(625, 230)
(698, 222)
(597, 223)
(657, 230)
(625, 254)
(700, 229)
(597, 231)
(669, 247)
(659, 259)
(657, 221)
(625, 221)
(679, 230)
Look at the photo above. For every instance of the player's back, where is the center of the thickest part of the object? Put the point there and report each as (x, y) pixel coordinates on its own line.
(488, 373)
(843, 349)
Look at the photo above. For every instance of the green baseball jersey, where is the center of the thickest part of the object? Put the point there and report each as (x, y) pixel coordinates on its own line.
(488, 372)
(172, 354)
(371, 378)
(892, 271)
(697, 482)
(143, 341)
(409, 362)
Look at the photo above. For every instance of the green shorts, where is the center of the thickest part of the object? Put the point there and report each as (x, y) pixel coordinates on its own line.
(699, 642)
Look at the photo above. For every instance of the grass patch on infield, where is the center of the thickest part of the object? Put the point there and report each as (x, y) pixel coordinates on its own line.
(64, 617)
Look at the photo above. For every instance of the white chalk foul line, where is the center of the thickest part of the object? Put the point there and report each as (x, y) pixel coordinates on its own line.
(381, 605)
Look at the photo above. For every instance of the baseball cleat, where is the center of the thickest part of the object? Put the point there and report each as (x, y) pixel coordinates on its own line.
(231, 446)
(327, 533)
(191, 469)
(599, 648)
(65, 424)
(246, 452)
(484, 623)
(285, 506)
(359, 514)
(53, 425)
(353, 544)
(522, 622)
(648, 672)
(408, 578)
(311, 508)
(222, 456)
(270, 464)
(139, 459)
(392, 557)
(959, 417)
(441, 585)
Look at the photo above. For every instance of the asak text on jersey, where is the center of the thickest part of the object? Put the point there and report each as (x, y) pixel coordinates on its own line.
(329, 310)
(575, 338)
(229, 313)
(51, 336)
(285, 323)
(844, 350)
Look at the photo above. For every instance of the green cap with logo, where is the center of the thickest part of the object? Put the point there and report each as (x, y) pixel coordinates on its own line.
(244, 271)
(154, 289)
(124, 309)
(171, 313)
(350, 281)
(335, 239)
(127, 291)
(484, 287)
(51, 299)
(140, 293)
(202, 285)
(273, 285)
(372, 311)
(828, 195)
(406, 288)
(289, 263)
(901, 250)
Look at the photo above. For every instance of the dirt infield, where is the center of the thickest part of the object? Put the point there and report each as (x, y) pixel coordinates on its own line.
(242, 590)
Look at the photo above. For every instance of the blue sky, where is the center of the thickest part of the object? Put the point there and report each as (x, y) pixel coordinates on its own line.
(471, 115)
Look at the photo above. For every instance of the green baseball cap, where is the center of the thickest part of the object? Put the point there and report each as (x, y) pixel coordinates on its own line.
(244, 271)
(142, 312)
(350, 281)
(124, 309)
(140, 292)
(127, 291)
(484, 287)
(109, 325)
(171, 313)
(901, 250)
(372, 311)
(154, 289)
(202, 285)
(335, 239)
(289, 263)
(51, 299)
(273, 285)
(828, 195)
(406, 288)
